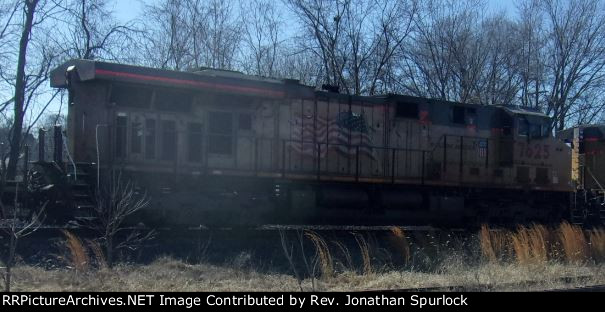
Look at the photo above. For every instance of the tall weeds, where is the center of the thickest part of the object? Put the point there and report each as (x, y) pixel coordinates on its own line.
(98, 253)
(365, 254)
(538, 244)
(78, 256)
(345, 253)
(494, 244)
(520, 242)
(401, 244)
(323, 253)
(531, 244)
(573, 242)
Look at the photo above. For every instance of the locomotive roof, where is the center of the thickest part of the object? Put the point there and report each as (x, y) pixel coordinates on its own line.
(595, 131)
(232, 82)
(523, 110)
(512, 109)
(213, 80)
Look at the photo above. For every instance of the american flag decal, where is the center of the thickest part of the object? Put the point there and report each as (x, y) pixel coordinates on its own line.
(483, 148)
(344, 133)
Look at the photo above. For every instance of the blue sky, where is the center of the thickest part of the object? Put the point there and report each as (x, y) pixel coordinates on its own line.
(129, 9)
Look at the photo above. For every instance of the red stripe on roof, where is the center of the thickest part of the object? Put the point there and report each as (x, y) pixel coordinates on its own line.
(193, 83)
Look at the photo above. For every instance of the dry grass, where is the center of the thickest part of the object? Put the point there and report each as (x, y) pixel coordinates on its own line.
(530, 244)
(345, 253)
(538, 244)
(78, 256)
(167, 274)
(364, 249)
(323, 253)
(401, 244)
(537, 254)
(520, 243)
(573, 242)
(98, 253)
(597, 244)
(494, 244)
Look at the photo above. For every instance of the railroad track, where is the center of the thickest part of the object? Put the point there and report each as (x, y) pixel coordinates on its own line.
(592, 288)
(495, 287)
(266, 227)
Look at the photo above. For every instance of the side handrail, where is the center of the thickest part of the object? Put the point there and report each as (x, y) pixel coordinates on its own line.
(73, 163)
(98, 154)
(595, 179)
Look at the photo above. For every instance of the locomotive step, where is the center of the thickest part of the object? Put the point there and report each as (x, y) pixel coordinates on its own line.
(81, 195)
(84, 164)
(84, 202)
(79, 220)
(81, 186)
(78, 175)
(85, 206)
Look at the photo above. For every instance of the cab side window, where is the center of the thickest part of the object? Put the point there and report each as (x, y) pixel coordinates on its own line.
(523, 127)
(464, 116)
(406, 110)
(458, 115)
(535, 130)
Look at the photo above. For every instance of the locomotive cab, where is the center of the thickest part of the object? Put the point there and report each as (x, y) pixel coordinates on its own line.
(529, 150)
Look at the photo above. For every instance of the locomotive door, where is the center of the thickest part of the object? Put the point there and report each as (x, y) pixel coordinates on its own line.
(506, 140)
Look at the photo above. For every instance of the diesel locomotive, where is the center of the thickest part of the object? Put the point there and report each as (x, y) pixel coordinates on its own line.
(215, 148)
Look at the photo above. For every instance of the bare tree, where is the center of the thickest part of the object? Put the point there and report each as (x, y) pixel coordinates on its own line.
(48, 32)
(221, 35)
(531, 39)
(355, 39)
(20, 85)
(394, 25)
(448, 53)
(92, 32)
(575, 53)
(8, 11)
(114, 205)
(498, 81)
(167, 36)
(15, 226)
(27, 48)
(302, 65)
(261, 42)
(322, 26)
(192, 34)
